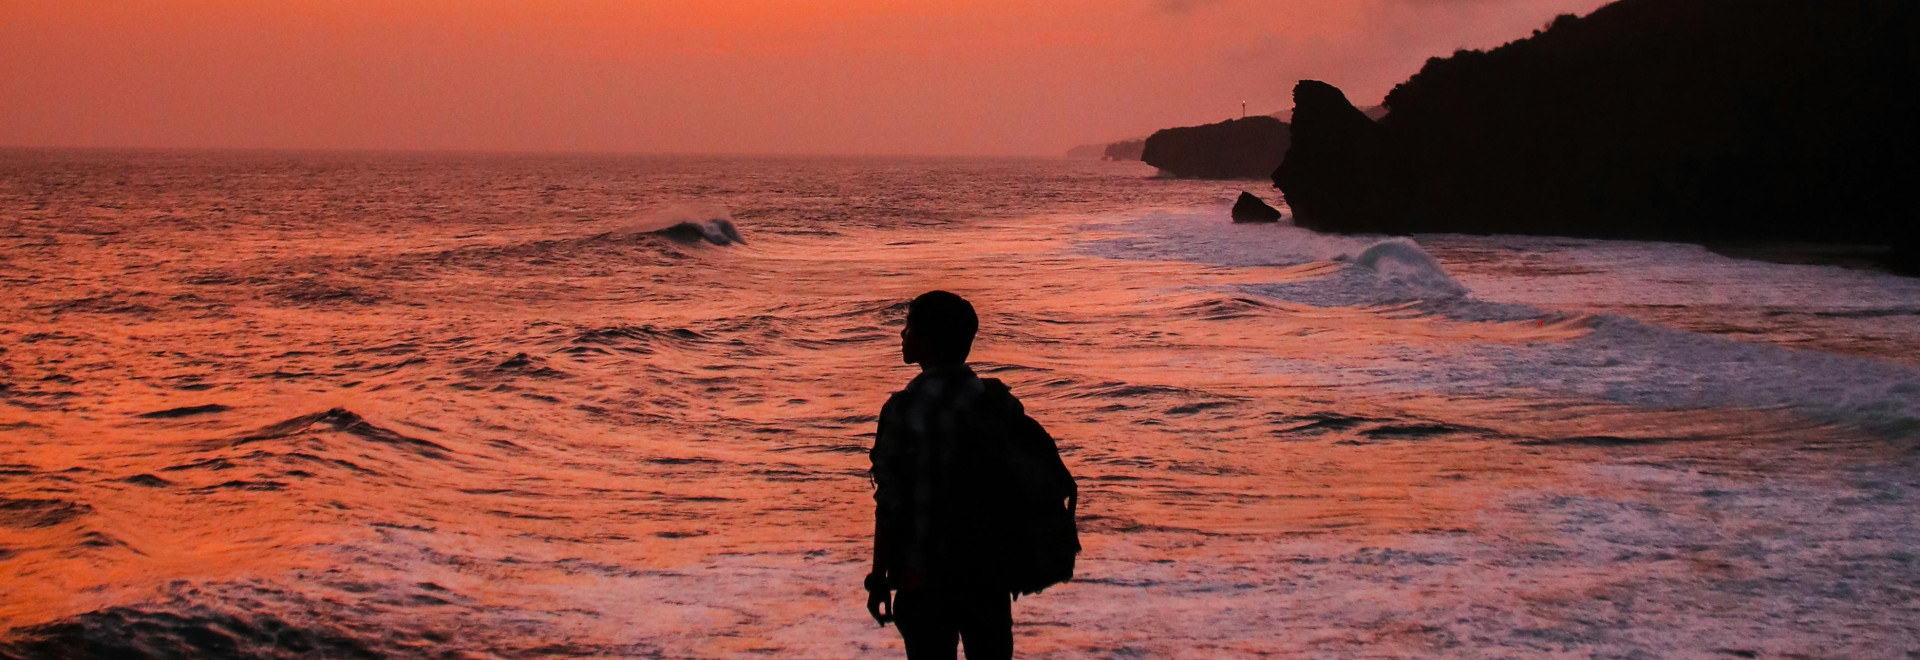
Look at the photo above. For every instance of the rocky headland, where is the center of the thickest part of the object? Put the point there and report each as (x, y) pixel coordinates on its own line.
(1126, 149)
(1246, 148)
(1698, 120)
(1088, 151)
(1115, 151)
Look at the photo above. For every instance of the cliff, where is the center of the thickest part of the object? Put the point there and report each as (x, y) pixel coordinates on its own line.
(1088, 151)
(1679, 119)
(1122, 150)
(1331, 175)
(1126, 150)
(1246, 148)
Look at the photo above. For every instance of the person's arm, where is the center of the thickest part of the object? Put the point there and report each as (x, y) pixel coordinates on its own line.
(882, 543)
(878, 584)
(879, 587)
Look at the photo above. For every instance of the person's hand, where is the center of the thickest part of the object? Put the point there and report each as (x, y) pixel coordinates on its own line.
(880, 605)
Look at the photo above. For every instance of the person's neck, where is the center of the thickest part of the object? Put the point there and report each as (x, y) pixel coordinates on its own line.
(942, 368)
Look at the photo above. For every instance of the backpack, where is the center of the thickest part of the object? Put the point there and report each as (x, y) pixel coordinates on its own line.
(1034, 537)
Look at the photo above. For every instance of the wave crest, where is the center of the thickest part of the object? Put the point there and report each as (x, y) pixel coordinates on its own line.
(1400, 262)
(690, 224)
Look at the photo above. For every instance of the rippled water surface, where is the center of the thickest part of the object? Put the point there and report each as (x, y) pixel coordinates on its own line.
(336, 405)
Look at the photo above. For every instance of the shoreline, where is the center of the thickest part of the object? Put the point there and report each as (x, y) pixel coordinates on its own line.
(1876, 258)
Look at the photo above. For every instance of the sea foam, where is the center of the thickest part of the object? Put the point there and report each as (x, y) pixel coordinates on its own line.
(1619, 359)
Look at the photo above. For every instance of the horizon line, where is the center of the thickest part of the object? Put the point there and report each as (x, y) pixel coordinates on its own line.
(523, 152)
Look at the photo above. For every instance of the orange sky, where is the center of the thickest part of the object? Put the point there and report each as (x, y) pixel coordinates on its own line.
(698, 76)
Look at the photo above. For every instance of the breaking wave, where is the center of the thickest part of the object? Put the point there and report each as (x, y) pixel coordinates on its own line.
(1606, 356)
(691, 224)
(1401, 263)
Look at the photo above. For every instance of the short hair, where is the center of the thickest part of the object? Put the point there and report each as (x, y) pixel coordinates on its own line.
(946, 322)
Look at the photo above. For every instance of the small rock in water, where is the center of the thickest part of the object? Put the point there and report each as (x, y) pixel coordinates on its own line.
(1251, 209)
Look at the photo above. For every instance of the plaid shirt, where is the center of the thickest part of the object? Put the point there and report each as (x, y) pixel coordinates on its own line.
(917, 455)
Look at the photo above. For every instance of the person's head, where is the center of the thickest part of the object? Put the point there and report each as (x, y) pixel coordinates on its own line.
(940, 328)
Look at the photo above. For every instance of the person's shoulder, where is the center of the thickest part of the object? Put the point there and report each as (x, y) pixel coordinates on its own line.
(895, 400)
(900, 398)
(1000, 395)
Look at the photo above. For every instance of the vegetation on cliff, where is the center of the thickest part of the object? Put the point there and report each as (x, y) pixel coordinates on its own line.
(1684, 119)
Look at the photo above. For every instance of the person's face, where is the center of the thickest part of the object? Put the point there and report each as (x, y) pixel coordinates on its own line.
(912, 350)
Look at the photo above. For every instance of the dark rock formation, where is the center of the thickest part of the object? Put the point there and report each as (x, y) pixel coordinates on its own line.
(1246, 148)
(1331, 174)
(1374, 112)
(1251, 209)
(1088, 152)
(1675, 119)
(1122, 150)
(1126, 150)
(1906, 254)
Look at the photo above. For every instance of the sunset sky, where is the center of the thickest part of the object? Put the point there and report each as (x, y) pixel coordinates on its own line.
(698, 76)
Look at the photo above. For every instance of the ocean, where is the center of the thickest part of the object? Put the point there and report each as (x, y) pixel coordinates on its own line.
(263, 404)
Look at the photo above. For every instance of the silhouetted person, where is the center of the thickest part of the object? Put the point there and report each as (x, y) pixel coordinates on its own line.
(961, 475)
